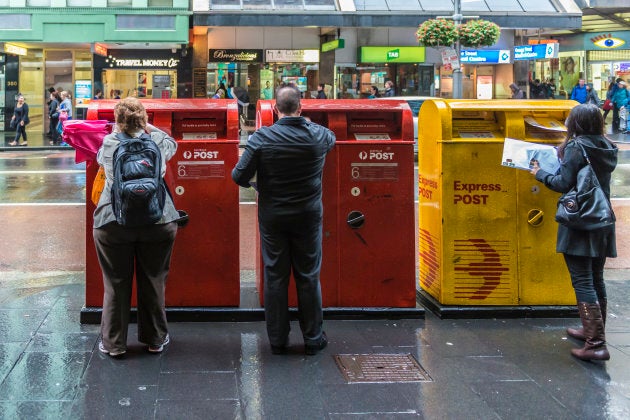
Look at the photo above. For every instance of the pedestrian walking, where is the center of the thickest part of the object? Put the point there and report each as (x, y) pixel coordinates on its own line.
(620, 100)
(143, 251)
(579, 92)
(288, 161)
(591, 95)
(320, 91)
(585, 251)
(19, 121)
(53, 116)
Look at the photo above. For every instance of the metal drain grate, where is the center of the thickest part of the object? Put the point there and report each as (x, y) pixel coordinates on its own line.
(370, 368)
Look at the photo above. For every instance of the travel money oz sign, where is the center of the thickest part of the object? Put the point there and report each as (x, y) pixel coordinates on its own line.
(485, 56)
(536, 52)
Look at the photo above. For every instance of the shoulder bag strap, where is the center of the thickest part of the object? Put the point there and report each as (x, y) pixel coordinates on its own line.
(588, 162)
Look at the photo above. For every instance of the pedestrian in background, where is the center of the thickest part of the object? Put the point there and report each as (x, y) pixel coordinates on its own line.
(550, 87)
(320, 91)
(389, 89)
(585, 252)
(579, 92)
(374, 93)
(20, 120)
(143, 251)
(53, 116)
(612, 87)
(517, 93)
(620, 99)
(591, 95)
(287, 159)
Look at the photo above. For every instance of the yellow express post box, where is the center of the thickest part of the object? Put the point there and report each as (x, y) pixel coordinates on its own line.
(487, 232)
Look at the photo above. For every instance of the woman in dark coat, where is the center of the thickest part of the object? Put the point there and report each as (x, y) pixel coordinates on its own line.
(53, 115)
(21, 120)
(585, 252)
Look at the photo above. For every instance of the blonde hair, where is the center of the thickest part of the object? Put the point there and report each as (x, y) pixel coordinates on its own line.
(130, 115)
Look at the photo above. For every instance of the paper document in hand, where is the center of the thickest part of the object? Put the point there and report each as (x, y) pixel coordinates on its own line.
(519, 154)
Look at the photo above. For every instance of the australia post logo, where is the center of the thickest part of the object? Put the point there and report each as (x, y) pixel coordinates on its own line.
(375, 155)
(201, 154)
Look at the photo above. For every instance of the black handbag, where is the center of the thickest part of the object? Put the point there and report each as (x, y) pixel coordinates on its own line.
(13, 124)
(585, 206)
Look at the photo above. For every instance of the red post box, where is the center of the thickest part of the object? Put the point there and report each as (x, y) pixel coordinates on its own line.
(205, 268)
(368, 225)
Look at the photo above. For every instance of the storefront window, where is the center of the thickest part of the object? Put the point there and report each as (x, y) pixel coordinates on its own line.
(158, 84)
(355, 82)
(2, 90)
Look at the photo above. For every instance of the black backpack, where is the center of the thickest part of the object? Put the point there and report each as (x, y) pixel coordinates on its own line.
(138, 190)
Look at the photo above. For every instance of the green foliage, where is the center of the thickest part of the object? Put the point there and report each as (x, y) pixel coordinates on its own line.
(436, 32)
(478, 33)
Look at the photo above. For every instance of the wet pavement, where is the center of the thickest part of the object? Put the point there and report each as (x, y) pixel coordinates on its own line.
(50, 366)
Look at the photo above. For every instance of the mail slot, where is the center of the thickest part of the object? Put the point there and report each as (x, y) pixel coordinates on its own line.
(205, 268)
(487, 232)
(368, 224)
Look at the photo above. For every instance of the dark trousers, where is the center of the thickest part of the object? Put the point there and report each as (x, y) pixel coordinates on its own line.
(587, 277)
(145, 251)
(20, 130)
(292, 243)
(615, 121)
(54, 134)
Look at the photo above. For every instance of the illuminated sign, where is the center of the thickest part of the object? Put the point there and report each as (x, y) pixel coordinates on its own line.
(392, 54)
(542, 41)
(485, 56)
(536, 52)
(99, 49)
(333, 45)
(607, 41)
(142, 62)
(14, 49)
(234, 56)
(292, 56)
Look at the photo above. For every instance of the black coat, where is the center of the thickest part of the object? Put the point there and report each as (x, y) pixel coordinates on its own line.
(603, 156)
(288, 160)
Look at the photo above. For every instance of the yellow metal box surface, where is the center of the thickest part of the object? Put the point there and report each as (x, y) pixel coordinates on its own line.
(487, 232)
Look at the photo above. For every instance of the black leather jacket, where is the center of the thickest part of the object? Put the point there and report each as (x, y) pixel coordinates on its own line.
(288, 161)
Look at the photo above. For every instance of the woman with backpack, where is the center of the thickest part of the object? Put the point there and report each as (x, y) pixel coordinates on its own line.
(127, 249)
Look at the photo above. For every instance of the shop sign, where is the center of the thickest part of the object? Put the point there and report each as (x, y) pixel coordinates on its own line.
(449, 59)
(99, 49)
(607, 41)
(536, 52)
(333, 45)
(14, 49)
(623, 68)
(292, 56)
(485, 56)
(234, 56)
(392, 54)
(142, 62)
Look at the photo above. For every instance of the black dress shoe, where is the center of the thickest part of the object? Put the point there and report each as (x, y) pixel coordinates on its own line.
(278, 349)
(313, 349)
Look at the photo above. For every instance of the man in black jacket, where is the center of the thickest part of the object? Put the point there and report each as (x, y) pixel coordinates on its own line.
(288, 161)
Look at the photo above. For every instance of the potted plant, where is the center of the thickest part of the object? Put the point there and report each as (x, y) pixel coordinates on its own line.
(478, 33)
(437, 32)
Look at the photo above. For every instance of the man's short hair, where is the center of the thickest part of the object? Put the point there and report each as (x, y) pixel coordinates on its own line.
(288, 99)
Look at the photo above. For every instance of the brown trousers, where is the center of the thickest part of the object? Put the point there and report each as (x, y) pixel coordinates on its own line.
(145, 251)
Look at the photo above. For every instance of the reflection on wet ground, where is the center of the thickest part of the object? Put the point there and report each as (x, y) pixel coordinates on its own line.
(50, 366)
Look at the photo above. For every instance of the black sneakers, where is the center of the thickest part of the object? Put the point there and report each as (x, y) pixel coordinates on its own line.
(313, 349)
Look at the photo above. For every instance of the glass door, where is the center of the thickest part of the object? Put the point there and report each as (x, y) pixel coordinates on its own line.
(31, 85)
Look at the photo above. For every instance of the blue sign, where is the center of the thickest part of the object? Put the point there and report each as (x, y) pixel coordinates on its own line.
(485, 56)
(536, 52)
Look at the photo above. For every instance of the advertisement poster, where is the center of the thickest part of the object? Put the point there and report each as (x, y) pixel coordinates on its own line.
(569, 74)
(266, 84)
(450, 59)
(83, 91)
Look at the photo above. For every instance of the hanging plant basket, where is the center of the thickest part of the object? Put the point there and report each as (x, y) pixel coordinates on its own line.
(436, 33)
(479, 33)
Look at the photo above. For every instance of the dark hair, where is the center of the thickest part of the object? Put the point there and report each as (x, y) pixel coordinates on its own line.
(130, 115)
(583, 120)
(322, 85)
(288, 99)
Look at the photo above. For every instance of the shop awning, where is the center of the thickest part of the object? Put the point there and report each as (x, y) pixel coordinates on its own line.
(560, 14)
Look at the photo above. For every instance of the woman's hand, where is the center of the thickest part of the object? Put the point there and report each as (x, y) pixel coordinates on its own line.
(533, 167)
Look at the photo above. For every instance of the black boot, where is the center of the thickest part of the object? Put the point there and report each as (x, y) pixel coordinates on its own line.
(578, 333)
(595, 337)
